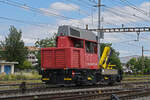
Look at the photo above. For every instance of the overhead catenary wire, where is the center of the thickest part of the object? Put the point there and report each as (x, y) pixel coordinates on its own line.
(127, 42)
(134, 7)
(139, 17)
(92, 1)
(129, 49)
(26, 6)
(123, 14)
(129, 4)
(24, 22)
(86, 2)
(80, 10)
(117, 13)
(126, 12)
(37, 10)
(80, 4)
(131, 35)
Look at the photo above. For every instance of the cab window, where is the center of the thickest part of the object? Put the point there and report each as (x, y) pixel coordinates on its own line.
(90, 47)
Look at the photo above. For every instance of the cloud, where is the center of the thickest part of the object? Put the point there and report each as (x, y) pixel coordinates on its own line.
(31, 33)
(25, 7)
(76, 23)
(145, 6)
(2, 37)
(125, 15)
(116, 16)
(64, 7)
(125, 52)
(49, 11)
(111, 39)
(57, 7)
(29, 41)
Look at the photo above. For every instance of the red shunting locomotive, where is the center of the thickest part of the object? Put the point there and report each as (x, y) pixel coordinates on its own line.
(74, 60)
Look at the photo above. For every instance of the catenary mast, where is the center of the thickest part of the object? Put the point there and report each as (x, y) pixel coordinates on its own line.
(99, 27)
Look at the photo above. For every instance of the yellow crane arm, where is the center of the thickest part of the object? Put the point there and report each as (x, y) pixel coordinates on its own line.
(103, 63)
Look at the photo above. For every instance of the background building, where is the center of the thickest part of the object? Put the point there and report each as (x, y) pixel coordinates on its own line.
(7, 67)
(32, 55)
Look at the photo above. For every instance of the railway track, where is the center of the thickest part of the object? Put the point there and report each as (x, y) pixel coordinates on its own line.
(40, 87)
(84, 94)
(126, 80)
(121, 94)
(70, 92)
(43, 85)
(15, 86)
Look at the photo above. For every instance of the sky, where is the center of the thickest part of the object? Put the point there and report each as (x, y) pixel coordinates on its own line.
(39, 19)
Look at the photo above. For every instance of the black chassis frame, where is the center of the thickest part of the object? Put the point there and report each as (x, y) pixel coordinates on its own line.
(81, 76)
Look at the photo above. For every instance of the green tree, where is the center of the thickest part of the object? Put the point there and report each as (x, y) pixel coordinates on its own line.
(146, 65)
(13, 45)
(131, 64)
(26, 64)
(114, 58)
(47, 42)
(136, 65)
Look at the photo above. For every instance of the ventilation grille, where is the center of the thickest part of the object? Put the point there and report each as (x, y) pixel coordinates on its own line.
(60, 58)
(47, 55)
(76, 58)
(74, 32)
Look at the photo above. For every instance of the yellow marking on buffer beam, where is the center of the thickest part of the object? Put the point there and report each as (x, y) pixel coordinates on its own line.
(67, 79)
(100, 92)
(89, 78)
(106, 78)
(45, 79)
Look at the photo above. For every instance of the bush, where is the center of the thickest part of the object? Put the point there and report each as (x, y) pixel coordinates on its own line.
(2, 76)
(26, 64)
(20, 77)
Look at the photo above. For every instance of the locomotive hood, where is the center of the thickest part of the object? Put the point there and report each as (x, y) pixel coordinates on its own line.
(67, 30)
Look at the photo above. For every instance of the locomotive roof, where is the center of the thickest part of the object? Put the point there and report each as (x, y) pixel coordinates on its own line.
(67, 30)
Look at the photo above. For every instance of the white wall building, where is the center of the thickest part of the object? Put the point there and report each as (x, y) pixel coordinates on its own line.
(32, 58)
(7, 67)
(31, 55)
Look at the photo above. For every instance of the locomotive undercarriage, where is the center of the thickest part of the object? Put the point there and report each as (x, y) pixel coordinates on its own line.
(78, 77)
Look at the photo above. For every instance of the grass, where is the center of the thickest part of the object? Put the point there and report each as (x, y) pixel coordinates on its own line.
(29, 77)
(136, 78)
(20, 81)
(34, 77)
(136, 75)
